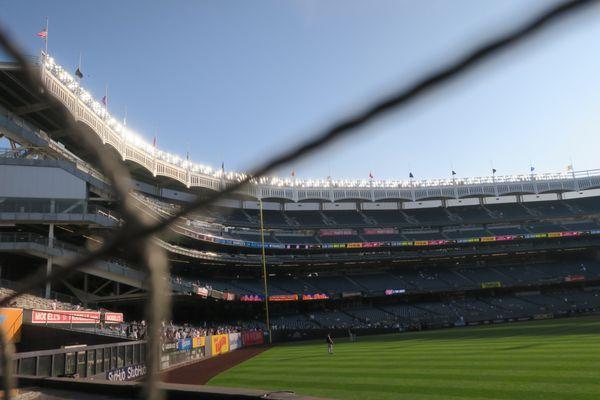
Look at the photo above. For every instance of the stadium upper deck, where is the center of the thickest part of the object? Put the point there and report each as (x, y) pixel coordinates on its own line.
(148, 161)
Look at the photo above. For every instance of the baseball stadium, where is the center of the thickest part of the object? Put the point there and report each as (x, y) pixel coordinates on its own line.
(127, 270)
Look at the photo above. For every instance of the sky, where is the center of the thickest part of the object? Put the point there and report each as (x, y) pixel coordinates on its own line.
(239, 81)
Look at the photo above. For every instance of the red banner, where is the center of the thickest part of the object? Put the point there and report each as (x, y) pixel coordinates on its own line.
(113, 317)
(380, 231)
(284, 297)
(64, 317)
(252, 338)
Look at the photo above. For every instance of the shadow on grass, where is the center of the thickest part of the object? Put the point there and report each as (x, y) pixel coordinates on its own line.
(546, 328)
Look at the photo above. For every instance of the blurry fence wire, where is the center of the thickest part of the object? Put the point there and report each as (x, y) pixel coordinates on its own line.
(135, 233)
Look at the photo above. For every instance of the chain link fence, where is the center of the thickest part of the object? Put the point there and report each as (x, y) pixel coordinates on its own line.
(135, 234)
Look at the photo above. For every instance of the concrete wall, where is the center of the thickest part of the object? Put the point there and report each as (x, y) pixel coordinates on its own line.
(40, 182)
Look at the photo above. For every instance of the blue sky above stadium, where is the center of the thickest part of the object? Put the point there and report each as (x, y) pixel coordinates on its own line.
(234, 82)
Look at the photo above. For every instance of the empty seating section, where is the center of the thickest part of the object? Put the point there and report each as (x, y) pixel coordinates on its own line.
(345, 217)
(432, 235)
(588, 205)
(429, 216)
(340, 239)
(451, 312)
(296, 239)
(306, 218)
(580, 226)
(413, 224)
(512, 230)
(335, 319)
(509, 211)
(549, 208)
(332, 284)
(379, 282)
(424, 279)
(460, 234)
(370, 315)
(543, 227)
(471, 214)
(386, 217)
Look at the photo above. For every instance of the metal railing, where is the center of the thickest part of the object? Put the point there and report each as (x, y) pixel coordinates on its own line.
(79, 361)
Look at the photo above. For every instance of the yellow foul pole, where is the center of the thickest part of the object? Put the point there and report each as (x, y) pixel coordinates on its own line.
(264, 267)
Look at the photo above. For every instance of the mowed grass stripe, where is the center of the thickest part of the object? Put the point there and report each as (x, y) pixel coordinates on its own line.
(549, 375)
(554, 359)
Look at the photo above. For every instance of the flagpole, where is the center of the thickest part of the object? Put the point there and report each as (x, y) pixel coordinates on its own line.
(46, 38)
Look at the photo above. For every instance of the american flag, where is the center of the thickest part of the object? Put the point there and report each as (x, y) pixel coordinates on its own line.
(43, 34)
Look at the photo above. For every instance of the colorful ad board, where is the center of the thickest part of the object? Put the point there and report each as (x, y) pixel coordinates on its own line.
(392, 292)
(284, 297)
(252, 298)
(252, 338)
(11, 320)
(235, 341)
(64, 317)
(219, 344)
(113, 318)
(316, 296)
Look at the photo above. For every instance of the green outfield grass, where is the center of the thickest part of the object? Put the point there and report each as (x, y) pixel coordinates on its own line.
(552, 359)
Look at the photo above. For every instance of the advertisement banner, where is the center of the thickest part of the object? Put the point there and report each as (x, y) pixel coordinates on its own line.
(574, 278)
(380, 231)
(11, 320)
(229, 296)
(64, 317)
(316, 296)
(252, 298)
(252, 338)
(235, 341)
(337, 232)
(391, 292)
(284, 297)
(198, 342)
(184, 344)
(169, 346)
(113, 317)
(202, 291)
(123, 374)
(219, 344)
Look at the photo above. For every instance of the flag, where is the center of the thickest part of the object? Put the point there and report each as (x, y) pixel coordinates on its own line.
(223, 166)
(531, 169)
(154, 142)
(104, 100)
(570, 167)
(493, 171)
(43, 34)
(410, 175)
(370, 175)
(293, 172)
(453, 172)
(78, 73)
(187, 155)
